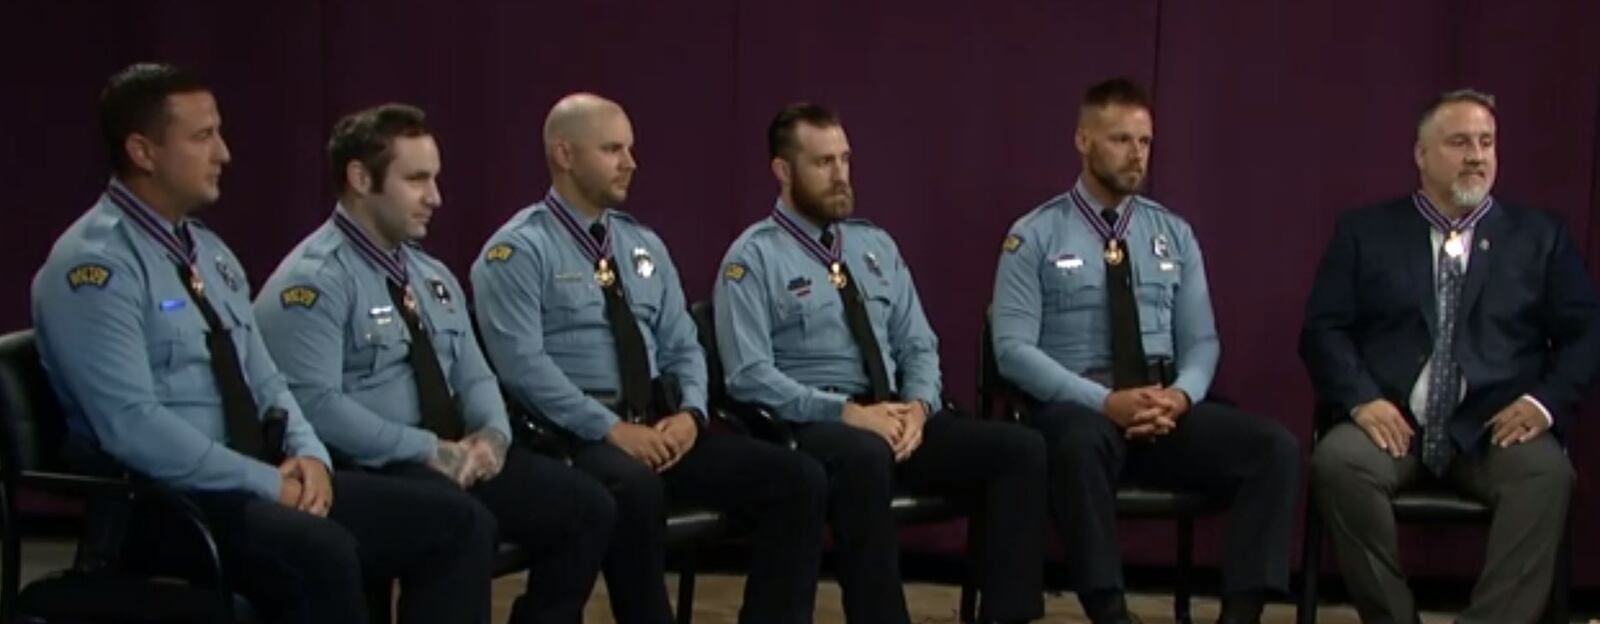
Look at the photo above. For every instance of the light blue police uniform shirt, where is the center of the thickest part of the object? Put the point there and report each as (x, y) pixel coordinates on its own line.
(1051, 320)
(125, 351)
(781, 329)
(336, 333)
(543, 319)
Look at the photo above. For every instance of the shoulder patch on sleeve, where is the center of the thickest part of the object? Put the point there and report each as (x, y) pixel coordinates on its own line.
(89, 274)
(303, 296)
(1012, 244)
(499, 253)
(735, 272)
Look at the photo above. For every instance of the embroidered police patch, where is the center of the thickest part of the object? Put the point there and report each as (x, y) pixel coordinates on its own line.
(734, 272)
(303, 296)
(1013, 243)
(499, 253)
(88, 275)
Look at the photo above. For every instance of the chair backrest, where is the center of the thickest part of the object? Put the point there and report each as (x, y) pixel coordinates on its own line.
(993, 390)
(716, 384)
(32, 424)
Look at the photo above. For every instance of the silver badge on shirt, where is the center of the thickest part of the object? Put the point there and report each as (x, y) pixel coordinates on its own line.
(872, 264)
(229, 276)
(642, 264)
(1161, 247)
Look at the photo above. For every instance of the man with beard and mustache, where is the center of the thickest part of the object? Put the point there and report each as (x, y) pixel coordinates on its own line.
(1102, 318)
(376, 340)
(584, 318)
(145, 328)
(1454, 333)
(818, 319)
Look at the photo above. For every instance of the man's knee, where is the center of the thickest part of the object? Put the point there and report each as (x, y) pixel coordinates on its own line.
(635, 489)
(1347, 458)
(1074, 434)
(1020, 449)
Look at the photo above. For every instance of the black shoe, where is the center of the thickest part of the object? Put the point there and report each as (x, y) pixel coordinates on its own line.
(1242, 607)
(1106, 606)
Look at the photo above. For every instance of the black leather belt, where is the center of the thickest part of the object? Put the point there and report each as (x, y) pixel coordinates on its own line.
(1161, 371)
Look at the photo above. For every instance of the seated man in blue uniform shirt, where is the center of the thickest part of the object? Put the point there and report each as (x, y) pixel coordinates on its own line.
(818, 319)
(1102, 317)
(375, 338)
(584, 318)
(146, 332)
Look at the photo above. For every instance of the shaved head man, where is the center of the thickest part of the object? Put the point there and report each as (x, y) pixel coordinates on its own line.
(585, 320)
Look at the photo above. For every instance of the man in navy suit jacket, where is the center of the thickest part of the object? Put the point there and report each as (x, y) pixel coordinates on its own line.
(1453, 333)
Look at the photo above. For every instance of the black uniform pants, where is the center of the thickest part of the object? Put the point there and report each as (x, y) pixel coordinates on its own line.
(776, 491)
(561, 516)
(297, 567)
(994, 468)
(1215, 449)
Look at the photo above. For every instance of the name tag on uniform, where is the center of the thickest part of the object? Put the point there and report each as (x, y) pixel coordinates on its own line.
(170, 305)
(1167, 265)
(570, 277)
(1068, 262)
(383, 315)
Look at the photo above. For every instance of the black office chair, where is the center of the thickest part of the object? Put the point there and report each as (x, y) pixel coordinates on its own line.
(1134, 500)
(98, 588)
(761, 423)
(1426, 503)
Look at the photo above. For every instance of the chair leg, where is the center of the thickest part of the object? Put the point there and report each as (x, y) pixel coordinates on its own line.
(686, 588)
(970, 582)
(1310, 566)
(1180, 590)
(380, 600)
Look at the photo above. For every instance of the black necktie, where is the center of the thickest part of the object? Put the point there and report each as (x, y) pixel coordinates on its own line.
(1128, 367)
(633, 361)
(241, 416)
(439, 413)
(855, 316)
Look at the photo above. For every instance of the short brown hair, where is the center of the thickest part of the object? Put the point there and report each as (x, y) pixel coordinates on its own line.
(134, 101)
(367, 136)
(1120, 91)
(780, 133)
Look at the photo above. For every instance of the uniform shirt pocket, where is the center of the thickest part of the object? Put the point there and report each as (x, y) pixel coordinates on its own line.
(1072, 298)
(1156, 290)
(571, 304)
(180, 359)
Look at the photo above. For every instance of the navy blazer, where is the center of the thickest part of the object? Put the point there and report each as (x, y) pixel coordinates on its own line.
(1527, 323)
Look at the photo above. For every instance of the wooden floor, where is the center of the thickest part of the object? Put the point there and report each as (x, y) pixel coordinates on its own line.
(717, 598)
(717, 602)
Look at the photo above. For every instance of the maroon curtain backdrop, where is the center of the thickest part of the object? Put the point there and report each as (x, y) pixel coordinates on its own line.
(1271, 118)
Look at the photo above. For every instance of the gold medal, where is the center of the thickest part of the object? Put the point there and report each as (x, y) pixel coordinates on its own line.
(1454, 245)
(836, 276)
(1113, 253)
(409, 301)
(196, 284)
(604, 275)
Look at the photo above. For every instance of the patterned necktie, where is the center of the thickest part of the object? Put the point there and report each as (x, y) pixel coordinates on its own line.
(1444, 378)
